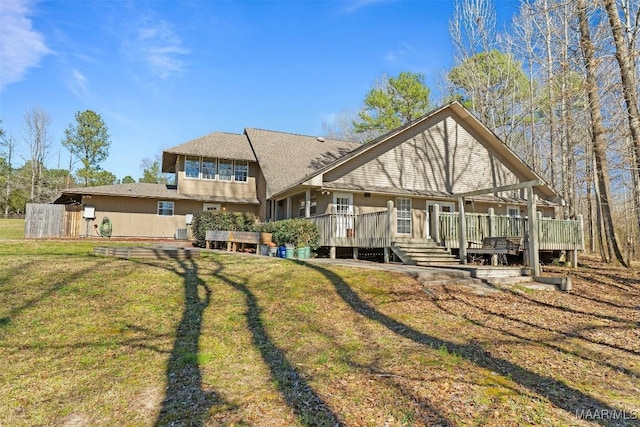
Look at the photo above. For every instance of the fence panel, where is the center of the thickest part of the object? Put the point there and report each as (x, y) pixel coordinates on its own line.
(44, 220)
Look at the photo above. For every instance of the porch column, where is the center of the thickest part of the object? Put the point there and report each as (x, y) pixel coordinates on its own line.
(388, 231)
(579, 243)
(492, 223)
(532, 213)
(288, 207)
(435, 224)
(307, 203)
(462, 231)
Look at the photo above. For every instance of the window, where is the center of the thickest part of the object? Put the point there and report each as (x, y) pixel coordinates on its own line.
(192, 167)
(313, 202)
(312, 206)
(225, 170)
(241, 171)
(209, 168)
(513, 211)
(404, 216)
(165, 208)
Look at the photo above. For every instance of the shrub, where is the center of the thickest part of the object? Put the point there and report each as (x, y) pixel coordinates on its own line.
(220, 220)
(289, 232)
(294, 232)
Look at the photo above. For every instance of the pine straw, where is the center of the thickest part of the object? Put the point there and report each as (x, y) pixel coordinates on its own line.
(245, 340)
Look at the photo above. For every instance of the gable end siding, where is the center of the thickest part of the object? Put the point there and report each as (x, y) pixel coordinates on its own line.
(443, 156)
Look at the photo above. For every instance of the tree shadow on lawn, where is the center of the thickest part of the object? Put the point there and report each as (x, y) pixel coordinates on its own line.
(603, 358)
(53, 288)
(186, 402)
(309, 407)
(561, 395)
(574, 333)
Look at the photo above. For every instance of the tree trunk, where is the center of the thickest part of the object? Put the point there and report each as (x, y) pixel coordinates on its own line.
(597, 137)
(629, 90)
(550, 94)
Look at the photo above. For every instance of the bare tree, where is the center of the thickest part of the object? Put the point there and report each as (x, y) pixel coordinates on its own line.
(598, 140)
(341, 128)
(9, 145)
(37, 122)
(625, 43)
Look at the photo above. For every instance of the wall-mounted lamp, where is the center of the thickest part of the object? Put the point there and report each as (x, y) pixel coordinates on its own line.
(326, 192)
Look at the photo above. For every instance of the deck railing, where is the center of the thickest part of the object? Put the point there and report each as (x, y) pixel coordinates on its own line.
(361, 231)
(375, 230)
(553, 234)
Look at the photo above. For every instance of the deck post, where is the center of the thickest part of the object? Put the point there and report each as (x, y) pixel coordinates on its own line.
(355, 252)
(388, 231)
(532, 213)
(492, 233)
(307, 203)
(492, 222)
(462, 231)
(435, 224)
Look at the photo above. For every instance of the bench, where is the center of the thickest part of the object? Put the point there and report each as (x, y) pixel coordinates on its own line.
(498, 248)
(232, 238)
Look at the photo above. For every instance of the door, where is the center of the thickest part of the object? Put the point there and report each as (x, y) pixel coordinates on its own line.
(343, 208)
(403, 216)
(430, 218)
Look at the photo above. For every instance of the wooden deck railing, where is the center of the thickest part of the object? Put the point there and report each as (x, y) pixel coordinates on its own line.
(361, 231)
(554, 234)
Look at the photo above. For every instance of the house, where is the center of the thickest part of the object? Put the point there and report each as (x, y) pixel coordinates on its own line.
(422, 168)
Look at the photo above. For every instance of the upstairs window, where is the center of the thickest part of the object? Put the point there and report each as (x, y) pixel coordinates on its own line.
(225, 170)
(209, 168)
(241, 171)
(192, 167)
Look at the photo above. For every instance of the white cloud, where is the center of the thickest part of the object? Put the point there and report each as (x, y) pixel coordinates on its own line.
(21, 47)
(161, 48)
(403, 50)
(78, 83)
(355, 5)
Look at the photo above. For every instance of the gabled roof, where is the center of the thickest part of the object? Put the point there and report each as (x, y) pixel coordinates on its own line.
(287, 158)
(487, 137)
(143, 190)
(223, 145)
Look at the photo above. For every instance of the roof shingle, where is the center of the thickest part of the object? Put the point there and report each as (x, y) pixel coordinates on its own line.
(287, 158)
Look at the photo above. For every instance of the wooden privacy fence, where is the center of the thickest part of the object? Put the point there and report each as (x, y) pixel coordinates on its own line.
(52, 221)
(553, 234)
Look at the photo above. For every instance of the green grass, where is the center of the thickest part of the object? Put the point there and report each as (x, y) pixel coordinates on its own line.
(245, 340)
(11, 228)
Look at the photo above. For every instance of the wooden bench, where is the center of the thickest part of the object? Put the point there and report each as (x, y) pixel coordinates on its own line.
(498, 248)
(232, 238)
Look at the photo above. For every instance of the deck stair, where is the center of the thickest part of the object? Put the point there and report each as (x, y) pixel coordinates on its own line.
(422, 252)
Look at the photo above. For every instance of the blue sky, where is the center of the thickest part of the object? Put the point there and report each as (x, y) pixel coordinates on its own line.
(161, 73)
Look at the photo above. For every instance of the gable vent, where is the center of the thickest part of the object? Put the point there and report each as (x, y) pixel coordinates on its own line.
(320, 139)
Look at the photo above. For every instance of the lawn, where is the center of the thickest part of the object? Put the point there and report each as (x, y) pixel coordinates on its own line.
(245, 340)
(11, 228)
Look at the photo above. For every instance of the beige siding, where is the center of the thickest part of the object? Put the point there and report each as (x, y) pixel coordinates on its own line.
(204, 187)
(261, 191)
(443, 156)
(138, 217)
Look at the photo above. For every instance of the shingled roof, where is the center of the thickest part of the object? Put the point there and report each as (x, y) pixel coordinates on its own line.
(215, 145)
(144, 190)
(287, 158)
